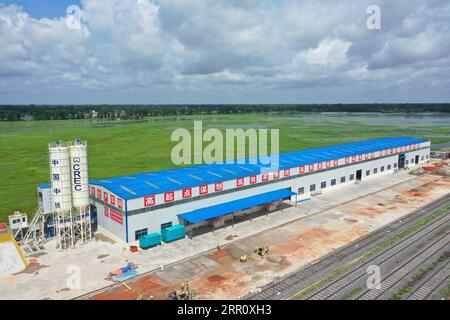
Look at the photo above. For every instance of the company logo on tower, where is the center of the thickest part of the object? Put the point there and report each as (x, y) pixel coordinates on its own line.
(76, 174)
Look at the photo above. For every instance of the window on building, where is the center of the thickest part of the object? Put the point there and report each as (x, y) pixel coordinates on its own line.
(352, 177)
(140, 233)
(395, 165)
(375, 170)
(166, 225)
(342, 179)
(422, 158)
(333, 182)
(312, 188)
(301, 190)
(323, 185)
(367, 172)
(382, 169)
(389, 167)
(407, 161)
(427, 156)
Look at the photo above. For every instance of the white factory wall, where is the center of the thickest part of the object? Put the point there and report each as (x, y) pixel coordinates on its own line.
(106, 222)
(152, 220)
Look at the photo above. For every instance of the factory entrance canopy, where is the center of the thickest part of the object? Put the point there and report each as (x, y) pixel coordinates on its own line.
(234, 206)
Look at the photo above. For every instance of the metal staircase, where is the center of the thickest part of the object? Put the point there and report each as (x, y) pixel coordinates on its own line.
(31, 243)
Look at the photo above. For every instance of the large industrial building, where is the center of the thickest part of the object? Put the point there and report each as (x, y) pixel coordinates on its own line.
(204, 196)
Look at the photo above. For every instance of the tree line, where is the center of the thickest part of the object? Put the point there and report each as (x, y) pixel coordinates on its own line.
(63, 112)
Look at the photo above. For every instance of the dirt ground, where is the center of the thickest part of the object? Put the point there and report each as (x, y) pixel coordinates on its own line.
(218, 274)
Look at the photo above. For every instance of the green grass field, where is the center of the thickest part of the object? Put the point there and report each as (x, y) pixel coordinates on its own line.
(120, 148)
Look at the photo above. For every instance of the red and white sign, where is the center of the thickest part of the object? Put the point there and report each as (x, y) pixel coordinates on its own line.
(366, 156)
(203, 189)
(276, 174)
(105, 197)
(99, 194)
(336, 163)
(353, 158)
(120, 203)
(149, 201)
(392, 150)
(360, 157)
(319, 165)
(116, 216)
(218, 186)
(169, 196)
(252, 179)
(112, 199)
(396, 150)
(287, 172)
(372, 155)
(328, 164)
(302, 169)
(106, 212)
(187, 193)
(347, 159)
(265, 176)
(239, 182)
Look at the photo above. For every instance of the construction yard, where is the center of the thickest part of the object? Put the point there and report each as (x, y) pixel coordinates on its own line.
(212, 263)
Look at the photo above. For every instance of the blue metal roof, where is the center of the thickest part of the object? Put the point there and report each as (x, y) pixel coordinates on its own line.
(234, 206)
(144, 184)
(45, 186)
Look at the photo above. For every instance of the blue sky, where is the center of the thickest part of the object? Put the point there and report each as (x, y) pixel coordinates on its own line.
(43, 8)
(224, 51)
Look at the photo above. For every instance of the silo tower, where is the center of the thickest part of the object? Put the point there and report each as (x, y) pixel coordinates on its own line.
(80, 189)
(61, 192)
(70, 192)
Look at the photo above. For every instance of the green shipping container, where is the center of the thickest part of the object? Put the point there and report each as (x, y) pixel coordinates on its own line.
(173, 233)
(149, 240)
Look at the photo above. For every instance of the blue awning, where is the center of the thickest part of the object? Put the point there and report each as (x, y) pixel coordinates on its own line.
(234, 206)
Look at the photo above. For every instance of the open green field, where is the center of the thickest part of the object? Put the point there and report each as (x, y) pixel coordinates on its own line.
(120, 148)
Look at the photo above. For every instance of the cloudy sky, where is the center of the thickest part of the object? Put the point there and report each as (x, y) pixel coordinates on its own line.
(224, 51)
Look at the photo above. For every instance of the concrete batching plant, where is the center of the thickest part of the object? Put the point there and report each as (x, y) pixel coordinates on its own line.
(64, 210)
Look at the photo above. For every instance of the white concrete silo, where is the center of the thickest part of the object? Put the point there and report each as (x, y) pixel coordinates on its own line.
(60, 177)
(79, 174)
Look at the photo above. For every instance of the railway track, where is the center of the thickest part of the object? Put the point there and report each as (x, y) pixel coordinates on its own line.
(431, 284)
(389, 282)
(335, 288)
(291, 284)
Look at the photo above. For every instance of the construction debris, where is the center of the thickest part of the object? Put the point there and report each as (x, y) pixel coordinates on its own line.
(140, 296)
(243, 258)
(440, 167)
(186, 293)
(262, 251)
(123, 273)
(276, 259)
(418, 172)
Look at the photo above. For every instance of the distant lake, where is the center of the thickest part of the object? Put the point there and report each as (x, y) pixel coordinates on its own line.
(442, 145)
(407, 119)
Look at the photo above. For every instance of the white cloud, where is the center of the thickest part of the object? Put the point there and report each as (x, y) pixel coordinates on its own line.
(197, 48)
(329, 52)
